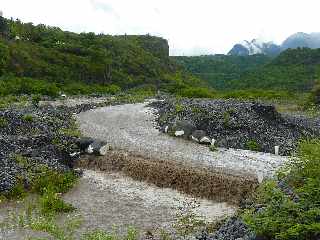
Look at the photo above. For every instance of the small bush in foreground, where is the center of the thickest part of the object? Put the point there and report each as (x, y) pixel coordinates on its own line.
(51, 203)
(291, 211)
(16, 193)
(55, 181)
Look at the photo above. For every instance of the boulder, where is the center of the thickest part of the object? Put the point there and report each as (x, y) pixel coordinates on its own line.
(185, 126)
(198, 134)
(205, 140)
(99, 148)
(84, 143)
(179, 133)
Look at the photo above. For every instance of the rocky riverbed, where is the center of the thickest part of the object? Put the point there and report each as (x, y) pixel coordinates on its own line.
(47, 135)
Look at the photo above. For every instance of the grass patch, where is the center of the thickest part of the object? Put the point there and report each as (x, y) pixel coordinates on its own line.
(132, 234)
(226, 119)
(213, 148)
(7, 101)
(28, 118)
(293, 214)
(48, 183)
(51, 203)
(71, 132)
(3, 122)
(55, 181)
(18, 192)
(179, 108)
(253, 145)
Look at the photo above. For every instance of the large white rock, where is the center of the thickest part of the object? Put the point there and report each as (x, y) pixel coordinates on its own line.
(205, 140)
(179, 133)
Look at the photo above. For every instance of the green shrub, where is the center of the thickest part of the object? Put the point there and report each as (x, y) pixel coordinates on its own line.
(3, 122)
(16, 193)
(226, 119)
(51, 203)
(35, 100)
(196, 92)
(179, 108)
(4, 57)
(252, 145)
(28, 118)
(286, 217)
(213, 148)
(53, 180)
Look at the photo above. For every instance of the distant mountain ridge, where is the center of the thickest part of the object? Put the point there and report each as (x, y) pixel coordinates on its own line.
(256, 46)
(300, 39)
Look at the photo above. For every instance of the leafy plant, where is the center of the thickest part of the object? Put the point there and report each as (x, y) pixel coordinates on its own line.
(252, 145)
(291, 211)
(35, 100)
(213, 148)
(57, 182)
(226, 119)
(51, 203)
(28, 118)
(3, 122)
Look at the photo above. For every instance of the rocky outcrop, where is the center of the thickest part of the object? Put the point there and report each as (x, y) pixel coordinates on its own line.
(158, 46)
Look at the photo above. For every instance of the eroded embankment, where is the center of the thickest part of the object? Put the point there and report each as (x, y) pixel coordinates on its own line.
(202, 182)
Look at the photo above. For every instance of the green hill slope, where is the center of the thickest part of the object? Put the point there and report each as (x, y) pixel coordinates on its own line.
(219, 70)
(292, 70)
(66, 59)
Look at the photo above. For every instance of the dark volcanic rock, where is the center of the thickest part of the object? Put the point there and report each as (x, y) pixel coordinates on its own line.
(239, 124)
(233, 229)
(34, 134)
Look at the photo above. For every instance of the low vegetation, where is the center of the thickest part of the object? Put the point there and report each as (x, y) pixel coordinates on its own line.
(47, 183)
(290, 206)
(252, 145)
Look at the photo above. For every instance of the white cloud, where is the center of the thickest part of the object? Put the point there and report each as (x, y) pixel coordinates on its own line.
(192, 27)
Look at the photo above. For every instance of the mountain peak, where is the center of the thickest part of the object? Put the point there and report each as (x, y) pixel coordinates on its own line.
(255, 46)
(301, 39)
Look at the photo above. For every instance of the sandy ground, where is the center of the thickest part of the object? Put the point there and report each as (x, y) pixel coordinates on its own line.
(112, 199)
(72, 102)
(131, 128)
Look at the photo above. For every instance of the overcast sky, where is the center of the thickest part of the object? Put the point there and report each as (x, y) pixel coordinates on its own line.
(192, 27)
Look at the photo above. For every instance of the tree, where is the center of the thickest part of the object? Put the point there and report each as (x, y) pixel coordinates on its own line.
(316, 93)
(4, 57)
(3, 27)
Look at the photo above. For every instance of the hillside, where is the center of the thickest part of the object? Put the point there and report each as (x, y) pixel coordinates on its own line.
(72, 62)
(219, 70)
(293, 70)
